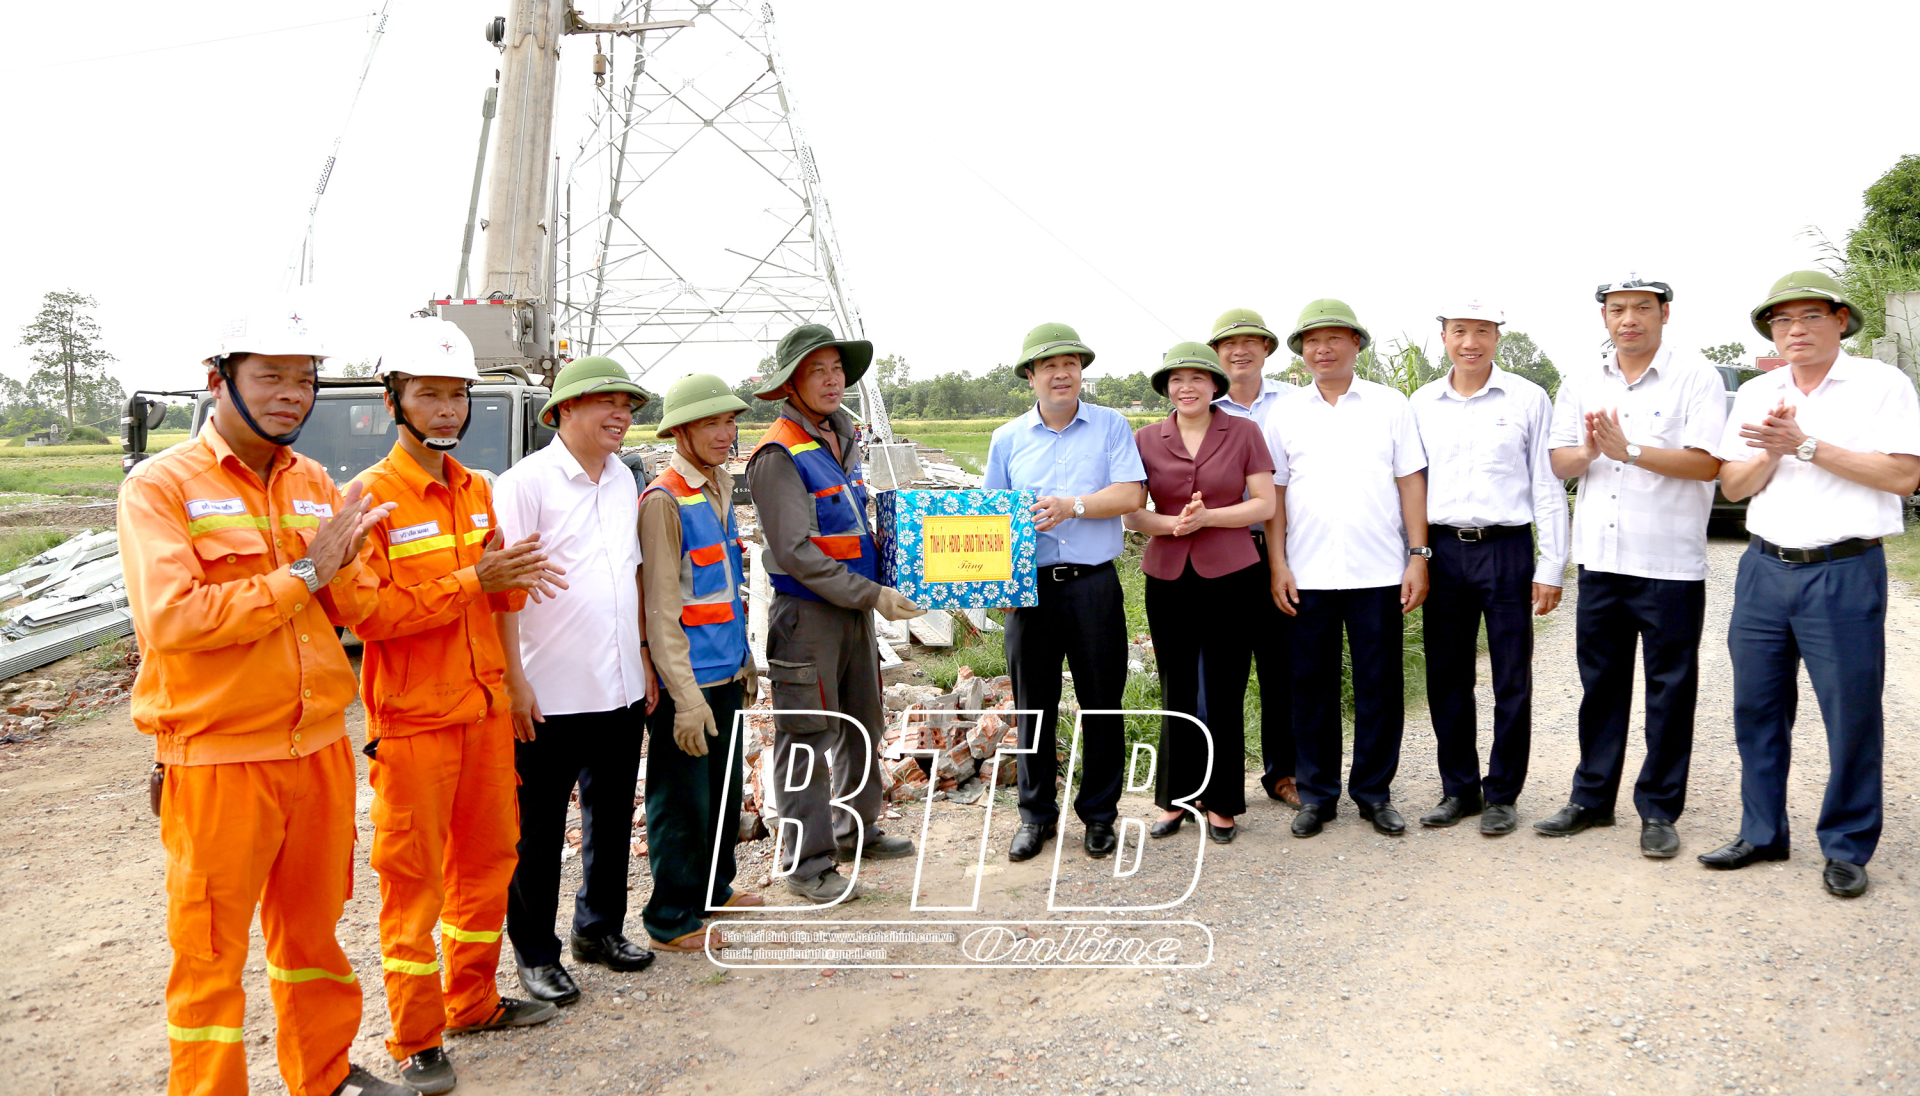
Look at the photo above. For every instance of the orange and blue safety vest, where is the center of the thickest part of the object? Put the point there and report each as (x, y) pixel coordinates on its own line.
(711, 611)
(839, 526)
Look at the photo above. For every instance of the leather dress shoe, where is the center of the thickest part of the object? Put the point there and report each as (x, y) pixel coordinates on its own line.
(1313, 817)
(1028, 840)
(612, 951)
(430, 1072)
(880, 848)
(1167, 827)
(828, 886)
(1572, 819)
(1451, 810)
(1738, 854)
(549, 982)
(1844, 880)
(1222, 835)
(1497, 819)
(1100, 841)
(1284, 791)
(1385, 818)
(1658, 839)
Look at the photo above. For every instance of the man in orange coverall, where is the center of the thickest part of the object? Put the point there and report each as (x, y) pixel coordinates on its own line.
(241, 558)
(439, 725)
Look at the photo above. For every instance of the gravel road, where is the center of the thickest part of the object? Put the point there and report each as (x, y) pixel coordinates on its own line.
(1439, 962)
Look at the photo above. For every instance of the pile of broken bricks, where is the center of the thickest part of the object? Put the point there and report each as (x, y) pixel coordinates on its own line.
(932, 721)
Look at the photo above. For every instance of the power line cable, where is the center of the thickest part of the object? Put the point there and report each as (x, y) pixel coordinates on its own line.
(1070, 249)
(190, 45)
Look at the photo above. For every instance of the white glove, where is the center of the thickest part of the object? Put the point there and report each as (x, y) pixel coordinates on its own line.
(895, 607)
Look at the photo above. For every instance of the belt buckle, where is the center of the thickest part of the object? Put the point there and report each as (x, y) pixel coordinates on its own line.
(1055, 575)
(1478, 535)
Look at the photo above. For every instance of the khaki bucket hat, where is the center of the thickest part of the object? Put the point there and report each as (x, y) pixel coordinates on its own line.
(855, 356)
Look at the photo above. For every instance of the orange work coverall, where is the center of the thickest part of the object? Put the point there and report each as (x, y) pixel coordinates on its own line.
(445, 814)
(242, 685)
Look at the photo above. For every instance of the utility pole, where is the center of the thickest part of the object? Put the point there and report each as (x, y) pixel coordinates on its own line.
(517, 202)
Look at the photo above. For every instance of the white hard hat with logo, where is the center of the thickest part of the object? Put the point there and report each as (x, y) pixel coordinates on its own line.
(1474, 310)
(429, 347)
(272, 327)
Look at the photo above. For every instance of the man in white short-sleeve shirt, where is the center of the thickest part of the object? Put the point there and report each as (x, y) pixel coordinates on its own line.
(578, 673)
(1639, 430)
(1826, 448)
(1346, 467)
(1490, 484)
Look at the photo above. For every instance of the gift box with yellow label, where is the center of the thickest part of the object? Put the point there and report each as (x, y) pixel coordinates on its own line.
(958, 549)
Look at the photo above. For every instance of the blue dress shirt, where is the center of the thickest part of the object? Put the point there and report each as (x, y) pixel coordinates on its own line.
(1095, 451)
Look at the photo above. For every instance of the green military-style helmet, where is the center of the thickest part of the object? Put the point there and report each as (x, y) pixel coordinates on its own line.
(1327, 312)
(1191, 355)
(1047, 340)
(585, 377)
(855, 356)
(694, 397)
(1242, 321)
(1805, 285)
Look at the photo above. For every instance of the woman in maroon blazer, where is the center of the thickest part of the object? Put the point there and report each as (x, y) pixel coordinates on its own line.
(1210, 476)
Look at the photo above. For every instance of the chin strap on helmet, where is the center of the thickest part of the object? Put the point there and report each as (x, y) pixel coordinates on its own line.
(400, 416)
(222, 364)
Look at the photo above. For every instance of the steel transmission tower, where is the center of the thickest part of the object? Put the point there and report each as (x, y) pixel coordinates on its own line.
(693, 229)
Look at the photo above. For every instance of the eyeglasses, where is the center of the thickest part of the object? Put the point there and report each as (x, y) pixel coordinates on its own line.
(1811, 319)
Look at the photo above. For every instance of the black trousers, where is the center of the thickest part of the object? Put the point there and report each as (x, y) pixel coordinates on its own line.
(1083, 622)
(1493, 580)
(599, 751)
(693, 817)
(1272, 634)
(1373, 627)
(1666, 616)
(1202, 646)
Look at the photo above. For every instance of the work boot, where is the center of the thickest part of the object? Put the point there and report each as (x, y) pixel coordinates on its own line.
(430, 1071)
(361, 1083)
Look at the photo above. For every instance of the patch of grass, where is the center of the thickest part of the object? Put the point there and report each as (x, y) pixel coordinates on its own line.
(984, 652)
(62, 475)
(16, 451)
(1903, 554)
(114, 654)
(18, 548)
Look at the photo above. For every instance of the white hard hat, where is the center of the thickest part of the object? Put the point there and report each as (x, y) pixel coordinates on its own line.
(428, 347)
(1474, 310)
(274, 326)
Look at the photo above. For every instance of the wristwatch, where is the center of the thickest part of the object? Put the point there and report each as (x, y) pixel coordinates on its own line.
(1079, 507)
(1633, 453)
(303, 570)
(1805, 450)
(1423, 552)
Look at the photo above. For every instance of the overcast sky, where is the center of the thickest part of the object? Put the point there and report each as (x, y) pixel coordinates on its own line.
(1132, 171)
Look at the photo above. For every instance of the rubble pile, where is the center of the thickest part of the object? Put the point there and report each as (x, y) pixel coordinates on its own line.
(32, 705)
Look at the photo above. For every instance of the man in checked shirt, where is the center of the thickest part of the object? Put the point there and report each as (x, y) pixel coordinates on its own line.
(1639, 430)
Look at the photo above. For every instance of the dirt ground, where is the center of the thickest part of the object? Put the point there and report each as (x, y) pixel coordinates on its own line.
(1438, 962)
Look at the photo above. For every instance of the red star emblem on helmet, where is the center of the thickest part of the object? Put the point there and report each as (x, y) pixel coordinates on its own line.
(447, 346)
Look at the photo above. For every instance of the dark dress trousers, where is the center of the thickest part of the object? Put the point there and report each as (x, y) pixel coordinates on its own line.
(1492, 580)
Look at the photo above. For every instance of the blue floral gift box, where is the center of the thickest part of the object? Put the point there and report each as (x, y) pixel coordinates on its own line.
(958, 549)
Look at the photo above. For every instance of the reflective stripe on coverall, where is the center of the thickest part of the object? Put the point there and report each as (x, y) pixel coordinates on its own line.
(243, 685)
(445, 816)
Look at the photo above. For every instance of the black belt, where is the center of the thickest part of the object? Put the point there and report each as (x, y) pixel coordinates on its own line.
(1475, 535)
(1845, 549)
(1064, 572)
